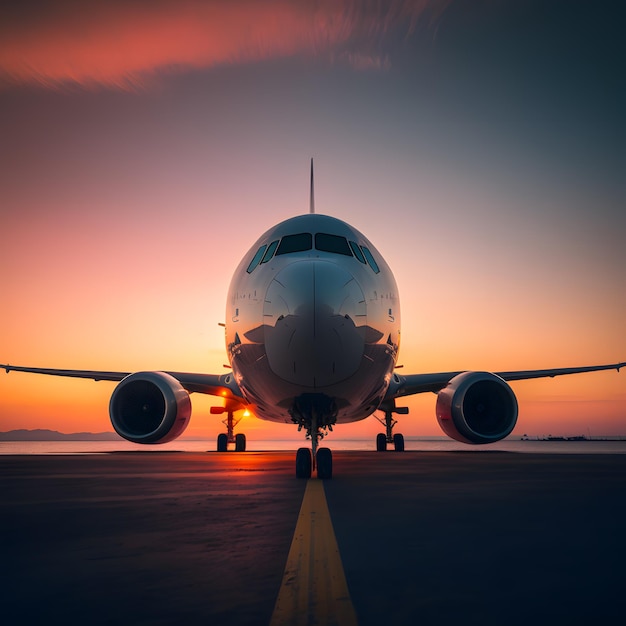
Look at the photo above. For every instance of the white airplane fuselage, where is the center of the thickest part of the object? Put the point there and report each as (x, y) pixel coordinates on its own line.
(313, 317)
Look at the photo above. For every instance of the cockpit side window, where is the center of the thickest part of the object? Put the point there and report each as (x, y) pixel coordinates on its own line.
(357, 252)
(332, 243)
(370, 260)
(295, 243)
(270, 252)
(256, 259)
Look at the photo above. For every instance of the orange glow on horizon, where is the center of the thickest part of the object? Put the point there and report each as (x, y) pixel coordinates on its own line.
(131, 325)
(551, 406)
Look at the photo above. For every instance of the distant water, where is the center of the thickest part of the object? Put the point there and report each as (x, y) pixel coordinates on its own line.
(431, 444)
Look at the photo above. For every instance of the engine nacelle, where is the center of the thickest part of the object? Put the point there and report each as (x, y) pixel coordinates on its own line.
(477, 407)
(150, 407)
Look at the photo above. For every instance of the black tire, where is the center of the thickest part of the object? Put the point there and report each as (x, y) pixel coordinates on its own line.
(240, 443)
(398, 442)
(222, 443)
(381, 442)
(303, 463)
(324, 461)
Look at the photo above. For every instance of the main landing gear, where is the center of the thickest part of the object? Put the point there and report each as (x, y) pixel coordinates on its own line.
(382, 439)
(223, 439)
(316, 413)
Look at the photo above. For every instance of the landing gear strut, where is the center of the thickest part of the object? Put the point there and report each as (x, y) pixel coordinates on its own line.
(382, 439)
(316, 413)
(223, 439)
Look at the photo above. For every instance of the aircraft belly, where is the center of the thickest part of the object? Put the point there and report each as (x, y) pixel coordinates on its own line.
(272, 397)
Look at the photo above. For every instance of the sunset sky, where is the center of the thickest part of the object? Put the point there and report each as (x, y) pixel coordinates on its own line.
(144, 146)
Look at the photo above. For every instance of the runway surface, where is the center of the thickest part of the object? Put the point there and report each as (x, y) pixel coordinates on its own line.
(423, 538)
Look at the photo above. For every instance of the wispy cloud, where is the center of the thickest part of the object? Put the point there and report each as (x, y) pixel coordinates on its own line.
(123, 44)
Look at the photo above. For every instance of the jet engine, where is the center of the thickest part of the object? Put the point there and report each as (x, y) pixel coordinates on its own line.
(477, 407)
(150, 407)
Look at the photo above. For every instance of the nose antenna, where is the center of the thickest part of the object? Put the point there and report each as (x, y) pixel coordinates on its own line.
(312, 200)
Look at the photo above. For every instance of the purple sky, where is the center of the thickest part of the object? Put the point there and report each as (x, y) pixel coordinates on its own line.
(481, 146)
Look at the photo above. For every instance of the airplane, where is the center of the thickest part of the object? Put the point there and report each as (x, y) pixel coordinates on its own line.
(312, 334)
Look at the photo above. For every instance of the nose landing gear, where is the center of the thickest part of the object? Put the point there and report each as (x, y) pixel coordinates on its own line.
(316, 413)
(306, 462)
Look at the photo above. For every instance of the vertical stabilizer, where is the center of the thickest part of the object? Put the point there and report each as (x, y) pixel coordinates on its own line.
(312, 200)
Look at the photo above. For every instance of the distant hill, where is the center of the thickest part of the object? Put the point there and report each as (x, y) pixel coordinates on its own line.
(53, 435)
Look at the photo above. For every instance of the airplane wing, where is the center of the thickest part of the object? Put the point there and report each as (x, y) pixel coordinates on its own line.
(212, 384)
(420, 383)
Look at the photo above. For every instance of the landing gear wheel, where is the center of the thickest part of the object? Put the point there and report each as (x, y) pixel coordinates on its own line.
(222, 442)
(240, 443)
(324, 461)
(303, 463)
(398, 442)
(381, 442)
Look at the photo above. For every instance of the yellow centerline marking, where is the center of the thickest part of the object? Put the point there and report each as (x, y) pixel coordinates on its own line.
(314, 588)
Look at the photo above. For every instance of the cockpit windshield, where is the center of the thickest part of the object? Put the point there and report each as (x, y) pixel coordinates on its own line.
(332, 243)
(256, 259)
(270, 252)
(295, 243)
(324, 242)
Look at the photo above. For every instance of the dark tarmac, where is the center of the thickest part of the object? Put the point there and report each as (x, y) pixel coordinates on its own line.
(425, 538)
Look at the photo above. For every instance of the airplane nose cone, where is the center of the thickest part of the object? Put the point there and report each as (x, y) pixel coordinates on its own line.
(313, 314)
